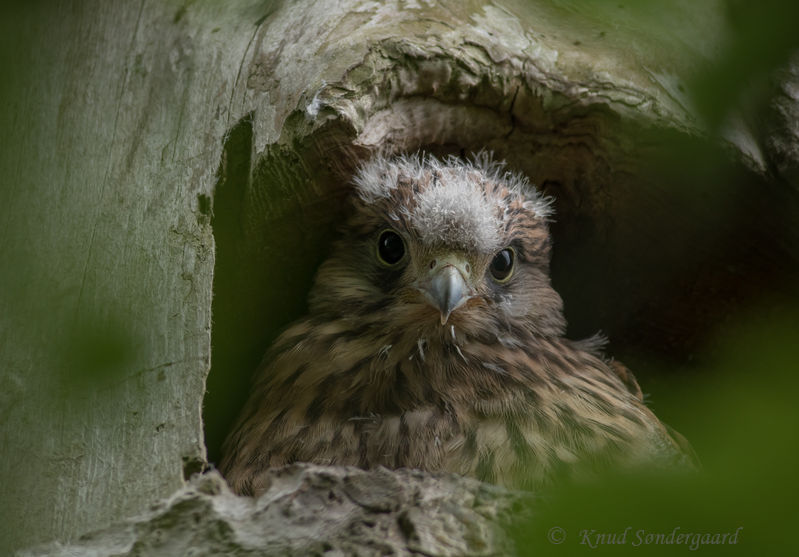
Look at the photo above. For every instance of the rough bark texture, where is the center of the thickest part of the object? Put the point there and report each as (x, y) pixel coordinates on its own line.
(313, 510)
(162, 151)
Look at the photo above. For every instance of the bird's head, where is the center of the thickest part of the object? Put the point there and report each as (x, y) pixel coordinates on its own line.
(436, 243)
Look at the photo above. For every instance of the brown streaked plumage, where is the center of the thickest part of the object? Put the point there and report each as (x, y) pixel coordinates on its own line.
(434, 340)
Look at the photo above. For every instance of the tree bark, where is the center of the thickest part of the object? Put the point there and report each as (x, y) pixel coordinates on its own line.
(315, 510)
(168, 159)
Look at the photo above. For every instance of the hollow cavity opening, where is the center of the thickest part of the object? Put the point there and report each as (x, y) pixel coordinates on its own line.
(658, 238)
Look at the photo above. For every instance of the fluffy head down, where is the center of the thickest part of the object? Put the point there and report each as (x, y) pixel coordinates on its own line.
(458, 203)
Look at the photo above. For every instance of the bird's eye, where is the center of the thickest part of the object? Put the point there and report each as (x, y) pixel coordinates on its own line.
(390, 247)
(502, 265)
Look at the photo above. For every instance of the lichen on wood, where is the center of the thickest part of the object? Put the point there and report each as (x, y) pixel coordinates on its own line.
(317, 510)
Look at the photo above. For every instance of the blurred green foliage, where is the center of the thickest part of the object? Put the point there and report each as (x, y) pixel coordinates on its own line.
(737, 404)
(739, 412)
(96, 354)
(762, 37)
(755, 37)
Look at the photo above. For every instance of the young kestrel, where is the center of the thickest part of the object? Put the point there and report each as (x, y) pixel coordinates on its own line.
(434, 340)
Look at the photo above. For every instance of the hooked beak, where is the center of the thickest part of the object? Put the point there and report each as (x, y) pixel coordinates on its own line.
(445, 285)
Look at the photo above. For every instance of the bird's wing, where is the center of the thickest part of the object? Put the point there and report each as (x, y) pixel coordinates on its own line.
(686, 448)
(627, 378)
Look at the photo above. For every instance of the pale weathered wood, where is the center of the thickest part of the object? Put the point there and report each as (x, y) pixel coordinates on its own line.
(116, 118)
(115, 129)
(316, 510)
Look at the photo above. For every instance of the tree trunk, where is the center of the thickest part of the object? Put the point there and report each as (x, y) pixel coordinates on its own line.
(172, 161)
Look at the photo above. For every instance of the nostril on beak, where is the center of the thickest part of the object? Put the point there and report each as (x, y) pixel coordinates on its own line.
(445, 284)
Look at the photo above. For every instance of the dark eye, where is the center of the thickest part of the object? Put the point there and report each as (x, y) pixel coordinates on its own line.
(502, 265)
(390, 247)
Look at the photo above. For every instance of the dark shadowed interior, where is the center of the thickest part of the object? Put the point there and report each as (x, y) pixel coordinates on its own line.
(659, 238)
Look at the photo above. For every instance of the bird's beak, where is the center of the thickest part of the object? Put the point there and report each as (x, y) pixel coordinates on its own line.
(445, 285)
